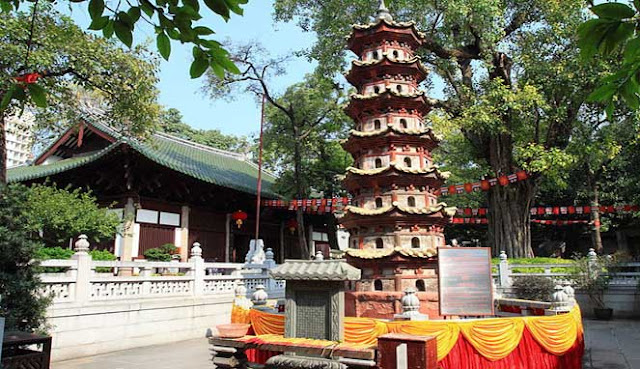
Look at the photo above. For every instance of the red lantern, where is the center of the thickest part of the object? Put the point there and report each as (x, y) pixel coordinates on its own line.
(292, 224)
(503, 180)
(239, 216)
(484, 185)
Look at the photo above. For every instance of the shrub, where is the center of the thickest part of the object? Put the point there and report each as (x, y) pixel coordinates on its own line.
(162, 253)
(537, 288)
(102, 255)
(55, 253)
(22, 305)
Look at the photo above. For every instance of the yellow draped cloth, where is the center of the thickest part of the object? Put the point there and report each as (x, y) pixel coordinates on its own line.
(493, 338)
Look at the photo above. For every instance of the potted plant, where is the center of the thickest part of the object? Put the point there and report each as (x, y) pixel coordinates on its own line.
(592, 276)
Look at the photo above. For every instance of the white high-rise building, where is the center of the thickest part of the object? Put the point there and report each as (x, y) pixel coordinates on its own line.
(19, 139)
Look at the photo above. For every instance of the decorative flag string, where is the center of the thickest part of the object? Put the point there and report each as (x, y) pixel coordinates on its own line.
(485, 184)
(555, 222)
(557, 210)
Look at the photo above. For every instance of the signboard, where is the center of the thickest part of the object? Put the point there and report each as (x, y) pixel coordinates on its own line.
(464, 275)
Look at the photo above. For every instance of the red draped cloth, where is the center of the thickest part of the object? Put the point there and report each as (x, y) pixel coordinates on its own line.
(527, 355)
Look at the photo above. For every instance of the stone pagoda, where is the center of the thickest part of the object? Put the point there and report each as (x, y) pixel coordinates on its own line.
(395, 221)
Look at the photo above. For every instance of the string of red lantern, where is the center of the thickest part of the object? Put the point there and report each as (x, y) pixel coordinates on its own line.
(485, 184)
(556, 222)
(558, 210)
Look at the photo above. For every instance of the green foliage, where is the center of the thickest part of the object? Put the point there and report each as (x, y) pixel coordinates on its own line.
(72, 63)
(54, 253)
(614, 33)
(62, 214)
(537, 260)
(171, 123)
(536, 288)
(171, 20)
(22, 305)
(592, 277)
(162, 253)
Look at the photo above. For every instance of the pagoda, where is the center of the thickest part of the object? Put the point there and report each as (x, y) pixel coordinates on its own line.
(395, 221)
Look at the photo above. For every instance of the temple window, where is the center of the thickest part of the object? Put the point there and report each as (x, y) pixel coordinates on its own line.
(407, 162)
(415, 243)
(411, 201)
(396, 54)
(399, 88)
(379, 243)
(377, 285)
(378, 202)
(376, 89)
(378, 163)
(403, 123)
(377, 124)
(420, 285)
(375, 55)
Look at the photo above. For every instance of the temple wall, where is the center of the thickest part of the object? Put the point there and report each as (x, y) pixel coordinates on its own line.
(384, 304)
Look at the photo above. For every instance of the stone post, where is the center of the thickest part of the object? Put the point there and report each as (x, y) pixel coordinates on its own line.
(410, 307)
(593, 263)
(84, 272)
(561, 301)
(503, 270)
(184, 232)
(197, 263)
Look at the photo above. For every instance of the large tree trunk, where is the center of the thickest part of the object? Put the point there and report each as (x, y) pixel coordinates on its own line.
(509, 216)
(302, 234)
(509, 219)
(3, 150)
(596, 238)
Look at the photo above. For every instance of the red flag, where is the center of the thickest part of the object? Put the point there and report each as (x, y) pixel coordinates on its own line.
(503, 180)
(484, 185)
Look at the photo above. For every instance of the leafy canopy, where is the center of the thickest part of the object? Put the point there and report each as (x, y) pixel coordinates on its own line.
(615, 33)
(79, 69)
(172, 20)
(61, 214)
(171, 123)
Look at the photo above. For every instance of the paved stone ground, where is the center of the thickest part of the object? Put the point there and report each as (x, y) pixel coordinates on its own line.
(609, 345)
(612, 345)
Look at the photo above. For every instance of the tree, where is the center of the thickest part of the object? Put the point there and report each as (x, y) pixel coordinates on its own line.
(22, 304)
(60, 215)
(171, 122)
(170, 19)
(63, 61)
(614, 31)
(301, 115)
(514, 85)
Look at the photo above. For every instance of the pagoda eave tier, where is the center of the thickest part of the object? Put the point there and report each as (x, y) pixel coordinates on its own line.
(383, 30)
(367, 70)
(363, 105)
(391, 135)
(353, 182)
(397, 215)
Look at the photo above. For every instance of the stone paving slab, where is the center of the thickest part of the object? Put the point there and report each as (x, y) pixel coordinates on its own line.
(609, 345)
(191, 354)
(612, 344)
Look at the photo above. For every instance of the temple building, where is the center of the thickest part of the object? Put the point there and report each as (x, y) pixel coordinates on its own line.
(168, 190)
(395, 222)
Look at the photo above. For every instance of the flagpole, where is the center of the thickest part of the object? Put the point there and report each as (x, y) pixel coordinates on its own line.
(258, 199)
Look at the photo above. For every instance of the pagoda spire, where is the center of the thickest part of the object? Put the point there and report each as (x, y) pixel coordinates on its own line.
(383, 13)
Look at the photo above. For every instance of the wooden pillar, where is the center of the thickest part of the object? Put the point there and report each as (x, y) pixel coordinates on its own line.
(130, 231)
(227, 239)
(184, 233)
(281, 253)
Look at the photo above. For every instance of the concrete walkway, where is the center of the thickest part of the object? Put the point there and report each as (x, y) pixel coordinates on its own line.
(609, 345)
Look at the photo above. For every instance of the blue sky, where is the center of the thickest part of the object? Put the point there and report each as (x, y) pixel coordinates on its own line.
(178, 90)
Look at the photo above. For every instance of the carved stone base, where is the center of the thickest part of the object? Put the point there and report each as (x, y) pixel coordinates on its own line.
(302, 362)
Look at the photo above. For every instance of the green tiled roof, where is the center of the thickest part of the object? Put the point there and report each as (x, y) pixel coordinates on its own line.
(198, 161)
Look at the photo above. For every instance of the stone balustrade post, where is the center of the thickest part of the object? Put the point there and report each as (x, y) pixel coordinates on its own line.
(84, 272)
(592, 263)
(145, 272)
(198, 271)
(503, 270)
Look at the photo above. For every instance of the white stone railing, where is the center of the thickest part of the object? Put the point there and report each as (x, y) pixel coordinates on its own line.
(85, 280)
(625, 274)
